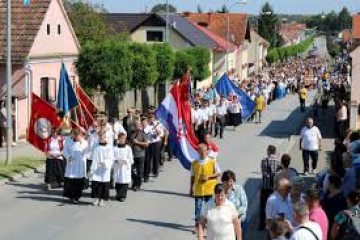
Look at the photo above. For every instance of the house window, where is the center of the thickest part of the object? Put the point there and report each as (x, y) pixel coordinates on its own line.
(154, 36)
(59, 29)
(48, 89)
(48, 29)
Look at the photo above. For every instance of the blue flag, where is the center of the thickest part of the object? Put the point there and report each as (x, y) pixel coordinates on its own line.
(67, 99)
(225, 86)
(26, 3)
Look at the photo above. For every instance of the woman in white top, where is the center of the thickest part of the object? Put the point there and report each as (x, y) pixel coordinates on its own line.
(124, 159)
(220, 218)
(102, 161)
(55, 164)
(75, 154)
(235, 112)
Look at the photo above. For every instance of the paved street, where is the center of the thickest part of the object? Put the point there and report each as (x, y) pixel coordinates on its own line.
(162, 210)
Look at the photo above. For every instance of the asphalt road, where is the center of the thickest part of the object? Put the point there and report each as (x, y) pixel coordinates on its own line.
(162, 210)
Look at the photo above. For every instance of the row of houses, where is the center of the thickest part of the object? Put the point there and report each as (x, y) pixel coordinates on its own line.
(243, 54)
(351, 39)
(42, 38)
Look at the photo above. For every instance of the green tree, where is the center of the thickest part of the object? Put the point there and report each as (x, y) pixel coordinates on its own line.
(199, 9)
(345, 19)
(165, 61)
(108, 64)
(223, 9)
(182, 60)
(268, 21)
(87, 20)
(161, 8)
(143, 65)
(201, 58)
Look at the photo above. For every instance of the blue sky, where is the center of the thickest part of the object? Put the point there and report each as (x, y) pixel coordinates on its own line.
(253, 6)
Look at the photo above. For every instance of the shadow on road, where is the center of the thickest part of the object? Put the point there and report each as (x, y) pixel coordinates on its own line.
(166, 192)
(287, 127)
(180, 227)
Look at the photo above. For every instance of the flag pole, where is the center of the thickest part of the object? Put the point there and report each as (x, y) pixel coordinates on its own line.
(9, 83)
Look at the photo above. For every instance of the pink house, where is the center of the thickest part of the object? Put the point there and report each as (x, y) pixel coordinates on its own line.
(42, 37)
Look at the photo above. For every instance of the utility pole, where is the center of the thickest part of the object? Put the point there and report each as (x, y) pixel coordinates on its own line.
(8, 87)
(167, 29)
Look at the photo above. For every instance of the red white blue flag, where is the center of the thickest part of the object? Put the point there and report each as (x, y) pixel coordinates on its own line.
(175, 113)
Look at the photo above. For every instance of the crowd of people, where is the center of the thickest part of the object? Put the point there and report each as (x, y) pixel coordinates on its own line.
(126, 153)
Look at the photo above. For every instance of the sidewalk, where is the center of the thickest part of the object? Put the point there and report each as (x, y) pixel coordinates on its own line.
(325, 121)
(22, 150)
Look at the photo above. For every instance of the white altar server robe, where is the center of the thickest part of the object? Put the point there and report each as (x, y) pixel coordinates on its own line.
(122, 165)
(76, 159)
(103, 158)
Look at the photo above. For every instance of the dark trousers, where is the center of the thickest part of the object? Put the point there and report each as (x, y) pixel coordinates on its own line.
(302, 105)
(137, 173)
(220, 126)
(54, 172)
(170, 152)
(264, 195)
(100, 190)
(152, 159)
(306, 154)
(121, 190)
(341, 129)
(73, 188)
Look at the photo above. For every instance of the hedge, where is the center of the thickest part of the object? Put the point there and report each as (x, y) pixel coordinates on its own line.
(281, 53)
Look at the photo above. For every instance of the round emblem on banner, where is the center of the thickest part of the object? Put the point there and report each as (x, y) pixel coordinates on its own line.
(43, 128)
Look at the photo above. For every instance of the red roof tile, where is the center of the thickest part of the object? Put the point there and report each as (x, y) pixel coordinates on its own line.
(222, 44)
(25, 25)
(356, 26)
(217, 23)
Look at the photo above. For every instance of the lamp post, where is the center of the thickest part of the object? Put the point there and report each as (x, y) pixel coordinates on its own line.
(167, 22)
(228, 32)
(8, 87)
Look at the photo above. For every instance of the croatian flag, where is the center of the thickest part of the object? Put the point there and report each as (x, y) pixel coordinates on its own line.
(175, 114)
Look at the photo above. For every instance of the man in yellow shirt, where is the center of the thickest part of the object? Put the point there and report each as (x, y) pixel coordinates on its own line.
(204, 174)
(260, 106)
(302, 96)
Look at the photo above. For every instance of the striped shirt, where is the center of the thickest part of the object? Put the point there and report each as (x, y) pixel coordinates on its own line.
(269, 166)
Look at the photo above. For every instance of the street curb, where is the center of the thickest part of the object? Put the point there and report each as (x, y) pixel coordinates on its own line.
(22, 175)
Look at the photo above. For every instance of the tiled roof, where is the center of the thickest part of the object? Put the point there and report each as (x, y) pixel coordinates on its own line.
(217, 23)
(129, 22)
(356, 26)
(289, 34)
(126, 22)
(26, 22)
(222, 44)
(188, 31)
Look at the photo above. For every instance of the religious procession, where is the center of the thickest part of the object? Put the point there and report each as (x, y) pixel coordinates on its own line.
(178, 125)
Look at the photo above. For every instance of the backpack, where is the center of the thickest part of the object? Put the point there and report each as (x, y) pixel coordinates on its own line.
(351, 228)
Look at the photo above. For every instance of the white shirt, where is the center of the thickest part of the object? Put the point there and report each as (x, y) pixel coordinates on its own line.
(221, 110)
(102, 161)
(122, 166)
(277, 205)
(54, 147)
(235, 107)
(342, 114)
(310, 138)
(153, 132)
(304, 234)
(220, 220)
(194, 115)
(204, 112)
